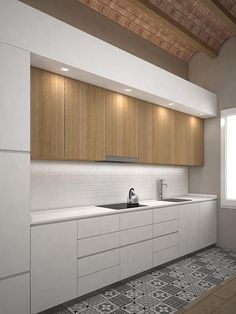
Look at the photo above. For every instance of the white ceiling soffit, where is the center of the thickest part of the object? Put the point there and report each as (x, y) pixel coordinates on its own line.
(95, 61)
(75, 73)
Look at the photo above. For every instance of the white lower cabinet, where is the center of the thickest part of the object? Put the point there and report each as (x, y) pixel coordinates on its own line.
(165, 256)
(53, 264)
(135, 258)
(15, 295)
(98, 280)
(208, 223)
(188, 228)
(67, 261)
(166, 227)
(97, 262)
(165, 242)
(98, 244)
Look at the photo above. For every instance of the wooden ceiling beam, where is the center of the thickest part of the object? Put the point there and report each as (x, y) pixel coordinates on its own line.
(221, 13)
(170, 24)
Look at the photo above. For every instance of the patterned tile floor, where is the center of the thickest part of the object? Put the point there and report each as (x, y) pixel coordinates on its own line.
(162, 291)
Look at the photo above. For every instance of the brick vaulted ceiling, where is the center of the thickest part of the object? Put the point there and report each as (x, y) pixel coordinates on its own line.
(181, 27)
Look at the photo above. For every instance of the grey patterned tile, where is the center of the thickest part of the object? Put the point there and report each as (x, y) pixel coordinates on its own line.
(196, 290)
(99, 298)
(77, 307)
(164, 309)
(166, 278)
(158, 283)
(134, 308)
(134, 294)
(205, 284)
(147, 288)
(106, 307)
(175, 302)
(123, 288)
(121, 300)
(89, 311)
(160, 296)
(171, 289)
(110, 293)
(147, 301)
(187, 296)
(163, 290)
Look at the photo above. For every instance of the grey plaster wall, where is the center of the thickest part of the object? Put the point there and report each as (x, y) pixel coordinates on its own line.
(219, 76)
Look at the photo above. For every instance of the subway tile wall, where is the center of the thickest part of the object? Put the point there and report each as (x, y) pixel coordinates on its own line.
(70, 184)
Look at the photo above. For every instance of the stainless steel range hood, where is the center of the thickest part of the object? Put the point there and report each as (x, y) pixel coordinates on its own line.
(121, 159)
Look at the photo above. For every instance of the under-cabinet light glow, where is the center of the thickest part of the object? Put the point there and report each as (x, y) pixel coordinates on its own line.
(64, 69)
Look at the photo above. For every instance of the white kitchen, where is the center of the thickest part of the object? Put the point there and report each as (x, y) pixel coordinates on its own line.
(117, 158)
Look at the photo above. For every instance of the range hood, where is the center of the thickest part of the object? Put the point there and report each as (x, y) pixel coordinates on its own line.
(121, 159)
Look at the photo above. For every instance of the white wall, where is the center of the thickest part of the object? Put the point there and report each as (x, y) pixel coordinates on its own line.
(219, 76)
(68, 184)
(99, 62)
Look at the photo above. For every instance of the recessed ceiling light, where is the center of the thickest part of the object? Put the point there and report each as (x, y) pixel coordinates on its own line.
(201, 114)
(64, 69)
(128, 90)
(171, 104)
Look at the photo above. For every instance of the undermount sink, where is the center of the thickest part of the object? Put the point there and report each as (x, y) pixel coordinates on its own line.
(176, 200)
(121, 206)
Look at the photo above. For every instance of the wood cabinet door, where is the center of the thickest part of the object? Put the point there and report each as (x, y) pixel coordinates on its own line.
(194, 141)
(47, 115)
(156, 134)
(84, 121)
(121, 125)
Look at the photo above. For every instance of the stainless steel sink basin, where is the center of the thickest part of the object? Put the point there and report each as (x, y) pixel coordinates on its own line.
(176, 200)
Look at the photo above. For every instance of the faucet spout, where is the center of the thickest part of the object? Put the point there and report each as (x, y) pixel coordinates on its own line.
(161, 190)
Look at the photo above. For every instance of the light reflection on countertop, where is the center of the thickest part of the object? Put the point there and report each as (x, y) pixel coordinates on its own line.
(65, 214)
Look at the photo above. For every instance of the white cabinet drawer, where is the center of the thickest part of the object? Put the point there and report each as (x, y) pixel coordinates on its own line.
(165, 242)
(135, 219)
(98, 225)
(165, 214)
(135, 235)
(135, 258)
(165, 256)
(164, 228)
(97, 262)
(98, 244)
(98, 280)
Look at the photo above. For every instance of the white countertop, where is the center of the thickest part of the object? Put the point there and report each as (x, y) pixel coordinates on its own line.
(64, 214)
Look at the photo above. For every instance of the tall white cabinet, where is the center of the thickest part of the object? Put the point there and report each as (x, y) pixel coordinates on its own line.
(14, 181)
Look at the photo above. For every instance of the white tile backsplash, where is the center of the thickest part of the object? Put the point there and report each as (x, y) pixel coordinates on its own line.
(70, 184)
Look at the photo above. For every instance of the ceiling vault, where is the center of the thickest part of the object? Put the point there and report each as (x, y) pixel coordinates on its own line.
(221, 13)
(180, 31)
(179, 27)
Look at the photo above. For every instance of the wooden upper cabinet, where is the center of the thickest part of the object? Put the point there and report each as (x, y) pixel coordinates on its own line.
(169, 137)
(47, 115)
(156, 134)
(72, 120)
(194, 143)
(121, 125)
(84, 121)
